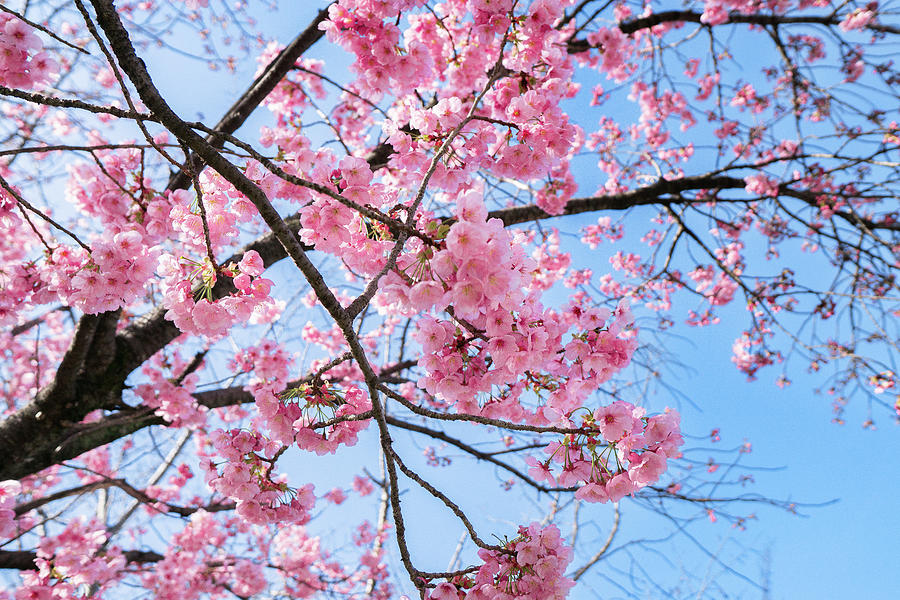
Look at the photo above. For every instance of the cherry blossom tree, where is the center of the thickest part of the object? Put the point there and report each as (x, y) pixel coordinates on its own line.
(409, 249)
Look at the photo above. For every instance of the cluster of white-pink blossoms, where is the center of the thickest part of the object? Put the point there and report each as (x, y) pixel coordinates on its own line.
(529, 567)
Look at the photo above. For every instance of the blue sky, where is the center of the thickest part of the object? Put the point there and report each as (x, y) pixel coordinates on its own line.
(845, 549)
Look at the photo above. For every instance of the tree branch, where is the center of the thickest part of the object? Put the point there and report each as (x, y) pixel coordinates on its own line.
(689, 16)
(651, 194)
(23, 560)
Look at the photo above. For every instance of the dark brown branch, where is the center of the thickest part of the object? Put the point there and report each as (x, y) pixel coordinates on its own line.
(22, 328)
(688, 16)
(69, 103)
(666, 193)
(23, 560)
(129, 489)
(651, 194)
(29, 436)
(76, 439)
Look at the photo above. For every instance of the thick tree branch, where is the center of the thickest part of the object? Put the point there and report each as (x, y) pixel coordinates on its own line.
(44, 432)
(689, 16)
(651, 194)
(70, 396)
(23, 560)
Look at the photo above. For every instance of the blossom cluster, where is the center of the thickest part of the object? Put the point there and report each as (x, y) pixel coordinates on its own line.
(224, 207)
(113, 271)
(367, 30)
(23, 62)
(362, 243)
(115, 191)
(632, 454)
(480, 274)
(860, 17)
(323, 402)
(530, 567)
(297, 554)
(171, 399)
(114, 275)
(69, 562)
(500, 341)
(190, 304)
(293, 414)
(269, 364)
(8, 491)
(247, 478)
(196, 564)
(750, 354)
